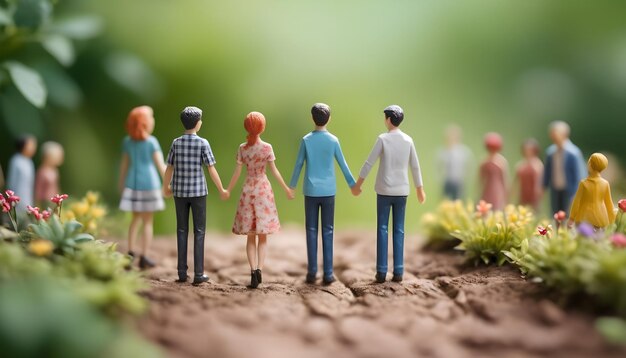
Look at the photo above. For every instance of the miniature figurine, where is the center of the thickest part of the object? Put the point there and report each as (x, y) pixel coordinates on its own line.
(397, 155)
(256, 213)
(593, 203)
(47, 179)
(319, 149)
(528, 175)
(141, 170)
(21, 174)
(184, 179)
(454, 161)
(494, 172)
(564, 167)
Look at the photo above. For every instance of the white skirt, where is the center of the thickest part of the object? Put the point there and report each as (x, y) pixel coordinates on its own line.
(142, 200)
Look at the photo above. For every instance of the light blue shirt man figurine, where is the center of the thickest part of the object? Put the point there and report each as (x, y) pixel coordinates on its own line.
(21, 172)
(319, 150)
(397, 156)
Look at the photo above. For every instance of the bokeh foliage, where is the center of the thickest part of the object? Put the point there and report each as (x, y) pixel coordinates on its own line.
(488, 65)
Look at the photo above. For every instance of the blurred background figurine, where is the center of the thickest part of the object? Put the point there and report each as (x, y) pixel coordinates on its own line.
(256, 213)
(453, 162)
(141, 170)
(494, 173)
(593, 203)
(529, 174)
(47, 179)
(21, 172)
(564, 167)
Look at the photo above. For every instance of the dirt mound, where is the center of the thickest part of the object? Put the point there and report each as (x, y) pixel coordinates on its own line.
(443, 308)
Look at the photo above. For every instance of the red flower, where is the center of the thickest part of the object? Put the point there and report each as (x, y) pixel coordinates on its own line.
(58, 199)
(544, 231)
(560, 216)
(619, 240)
(46, 214)
(35, 212)
(622, 204)
(11, 197)
(6, 206)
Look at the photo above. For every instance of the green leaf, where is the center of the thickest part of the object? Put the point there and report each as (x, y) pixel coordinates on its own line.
(72, 226)
(83, 238)
(64, 92)
(613, 329)
(32, 13)
(28, 82)
(18, 114)
(61, 48)
(80, 28)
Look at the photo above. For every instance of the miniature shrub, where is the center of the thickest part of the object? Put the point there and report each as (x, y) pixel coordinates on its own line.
(450, 216)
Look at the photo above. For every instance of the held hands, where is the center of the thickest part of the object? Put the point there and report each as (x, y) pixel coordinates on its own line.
(167, 191)
(356, 190)
(291, 193)
(224, 194)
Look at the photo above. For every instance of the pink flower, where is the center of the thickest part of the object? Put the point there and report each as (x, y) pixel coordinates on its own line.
(46, 214)
(560, 216)
(622, 205)
(544, 231)
(619, 240)
(35, 212)
(483, 207)
(11, 197)
(6, 206)
(58, 199)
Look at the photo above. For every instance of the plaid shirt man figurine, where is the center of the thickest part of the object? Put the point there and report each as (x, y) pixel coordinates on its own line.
(184, 178)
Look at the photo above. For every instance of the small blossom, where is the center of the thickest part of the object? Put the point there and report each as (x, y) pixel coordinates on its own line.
(46, 214)
(92, 197)
(35, 212)
(544, 231)
(6, 206)
(12, 199)
(483, 207)
(58, 198)
(560, 216)
(40, 247)
(80, 208)
(619, 240)
(622, 205)
(586, 230)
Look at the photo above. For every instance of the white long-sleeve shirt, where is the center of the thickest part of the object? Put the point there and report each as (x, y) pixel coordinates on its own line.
(397, 153)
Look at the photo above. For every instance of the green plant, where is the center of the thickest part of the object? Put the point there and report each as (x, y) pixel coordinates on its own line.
(493, 233)
(64, 236)
(450, 216)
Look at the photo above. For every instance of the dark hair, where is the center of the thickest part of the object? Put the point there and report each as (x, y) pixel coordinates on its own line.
(20, 143)
(532, 143)
(320, 113)
(395, 114)
(190, 116)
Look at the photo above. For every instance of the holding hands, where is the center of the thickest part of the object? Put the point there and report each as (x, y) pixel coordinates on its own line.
(356, 190)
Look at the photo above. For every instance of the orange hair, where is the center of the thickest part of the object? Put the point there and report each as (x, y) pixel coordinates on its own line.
(255, 125)
(137, 123)
(493, 142)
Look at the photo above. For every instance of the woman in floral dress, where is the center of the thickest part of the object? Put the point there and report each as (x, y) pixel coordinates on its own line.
(256, 215)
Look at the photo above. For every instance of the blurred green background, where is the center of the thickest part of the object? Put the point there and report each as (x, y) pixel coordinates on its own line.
(487, 65)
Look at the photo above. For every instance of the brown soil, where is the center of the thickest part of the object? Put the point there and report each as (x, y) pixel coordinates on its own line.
(443, 308)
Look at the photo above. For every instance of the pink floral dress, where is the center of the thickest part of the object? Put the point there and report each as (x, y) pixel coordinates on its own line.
(256, 213)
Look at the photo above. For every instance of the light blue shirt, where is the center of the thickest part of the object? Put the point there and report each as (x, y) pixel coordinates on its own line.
(142, 172)
(21, 179)
(320, 149)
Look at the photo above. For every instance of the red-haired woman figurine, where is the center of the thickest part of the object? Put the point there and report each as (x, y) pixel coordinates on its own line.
(528, 175)
(142, 165)
(493, 173)
(256, 214)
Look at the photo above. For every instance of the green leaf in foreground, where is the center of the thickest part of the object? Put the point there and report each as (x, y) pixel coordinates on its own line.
(28, 82)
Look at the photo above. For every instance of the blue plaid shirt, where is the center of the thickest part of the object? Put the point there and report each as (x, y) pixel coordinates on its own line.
(188, 155)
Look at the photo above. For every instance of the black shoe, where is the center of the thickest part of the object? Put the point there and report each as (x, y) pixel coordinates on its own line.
(145, 263)
(329, 280)
(132, 259)
(254, 279)
(200, 279)
(381, 277)
(311, 278)
(259, 275)
(397, 278)
(182, 279)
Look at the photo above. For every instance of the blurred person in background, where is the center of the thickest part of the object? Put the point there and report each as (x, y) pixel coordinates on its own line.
(528, 175)
(47, 179)
(494, 173)
(453, 163)
(21, 173)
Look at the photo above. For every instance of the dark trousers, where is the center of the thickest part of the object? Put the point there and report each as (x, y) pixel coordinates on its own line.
(197, 205)
(560, 200)
(452, 190)
(312, 208)
(386, 204)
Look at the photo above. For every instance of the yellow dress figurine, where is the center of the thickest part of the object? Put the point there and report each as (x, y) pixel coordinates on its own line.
(592, 203)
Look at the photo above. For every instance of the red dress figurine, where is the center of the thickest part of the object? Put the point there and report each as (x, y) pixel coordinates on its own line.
(493, 173)
(528, 175)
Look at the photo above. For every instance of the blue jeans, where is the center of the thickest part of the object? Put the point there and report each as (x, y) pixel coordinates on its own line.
(385, 204)
(312, 208)
(452, 190)
(560, 200)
